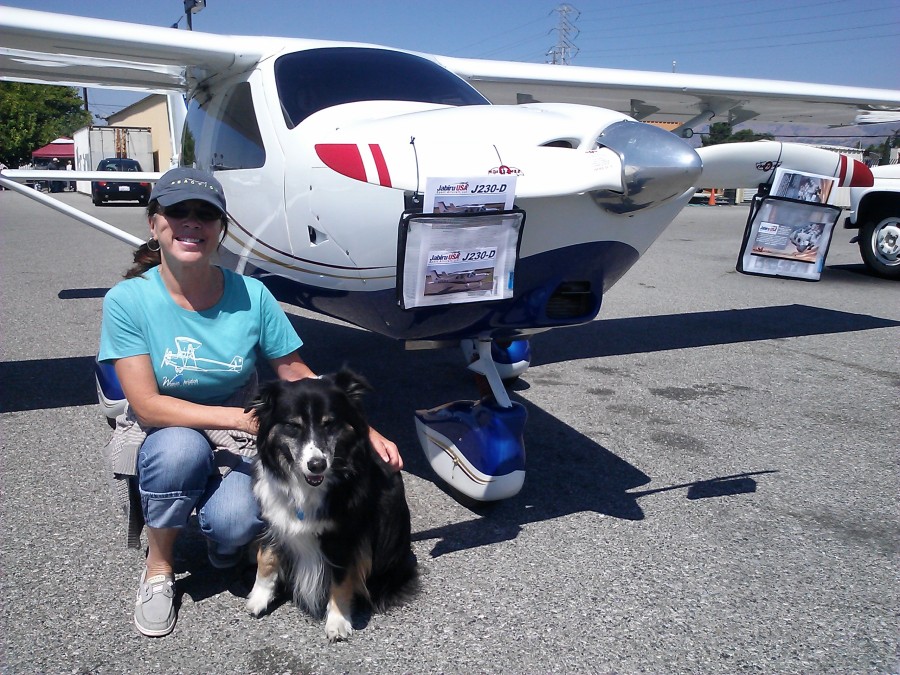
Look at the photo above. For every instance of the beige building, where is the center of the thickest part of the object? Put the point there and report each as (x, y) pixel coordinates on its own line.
(152, 112)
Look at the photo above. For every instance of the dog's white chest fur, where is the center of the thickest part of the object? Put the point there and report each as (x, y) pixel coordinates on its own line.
(292, 512)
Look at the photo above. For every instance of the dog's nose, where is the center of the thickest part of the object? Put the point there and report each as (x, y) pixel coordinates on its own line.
(317, 465)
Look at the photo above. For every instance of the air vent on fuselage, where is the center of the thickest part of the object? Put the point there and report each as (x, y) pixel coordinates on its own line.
(562, 143)
(570, 300)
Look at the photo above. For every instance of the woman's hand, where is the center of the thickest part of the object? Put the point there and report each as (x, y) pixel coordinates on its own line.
(248, 422)
(386, 449)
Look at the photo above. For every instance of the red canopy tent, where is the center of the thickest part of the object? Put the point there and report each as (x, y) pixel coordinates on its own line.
(62, 148)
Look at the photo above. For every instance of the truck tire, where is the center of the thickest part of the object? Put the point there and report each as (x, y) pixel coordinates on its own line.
(879, 245)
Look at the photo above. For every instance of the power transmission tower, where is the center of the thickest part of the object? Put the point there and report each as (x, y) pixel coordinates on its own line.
(565, 49)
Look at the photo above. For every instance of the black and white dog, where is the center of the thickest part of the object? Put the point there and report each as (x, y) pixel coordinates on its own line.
(338, 521)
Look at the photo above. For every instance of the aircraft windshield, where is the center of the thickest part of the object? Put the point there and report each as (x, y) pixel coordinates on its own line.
(316, 79)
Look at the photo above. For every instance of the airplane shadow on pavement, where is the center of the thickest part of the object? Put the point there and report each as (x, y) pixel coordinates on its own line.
(69, 381)
(596, 479)
(641, 335)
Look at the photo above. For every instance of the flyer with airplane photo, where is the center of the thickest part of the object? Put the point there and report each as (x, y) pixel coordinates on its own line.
(464, 247)
(469, 195)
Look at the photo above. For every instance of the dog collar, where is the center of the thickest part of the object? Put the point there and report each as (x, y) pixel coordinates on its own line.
(300, 514)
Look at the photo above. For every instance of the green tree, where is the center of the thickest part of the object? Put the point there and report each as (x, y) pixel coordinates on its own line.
(883, 150)
(722, 132)
(32, 115)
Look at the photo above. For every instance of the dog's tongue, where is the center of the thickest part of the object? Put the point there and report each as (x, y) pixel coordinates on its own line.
(314, 480)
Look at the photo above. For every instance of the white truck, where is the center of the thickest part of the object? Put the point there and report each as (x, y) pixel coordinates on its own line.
(875, 212)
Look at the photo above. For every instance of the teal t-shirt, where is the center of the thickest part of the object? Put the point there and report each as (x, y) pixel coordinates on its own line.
(203, 357)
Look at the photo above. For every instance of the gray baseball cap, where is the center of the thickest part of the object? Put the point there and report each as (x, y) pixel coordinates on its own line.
(183, 183)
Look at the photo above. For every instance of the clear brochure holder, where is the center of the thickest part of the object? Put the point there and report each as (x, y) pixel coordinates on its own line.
(445, 259)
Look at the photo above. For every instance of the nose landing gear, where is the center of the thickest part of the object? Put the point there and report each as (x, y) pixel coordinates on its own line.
(476, 446)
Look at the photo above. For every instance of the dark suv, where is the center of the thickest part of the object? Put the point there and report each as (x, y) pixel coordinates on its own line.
(110, 190)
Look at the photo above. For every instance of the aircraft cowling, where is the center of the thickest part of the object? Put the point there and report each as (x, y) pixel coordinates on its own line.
(411, 142)
(626, 165)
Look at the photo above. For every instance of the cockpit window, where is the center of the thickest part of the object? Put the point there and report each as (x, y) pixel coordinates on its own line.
(316, 79)
(224, 136)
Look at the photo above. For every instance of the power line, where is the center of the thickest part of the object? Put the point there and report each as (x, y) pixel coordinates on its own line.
(492, 38)
(734, 48)
(723, 19)
(792, 36)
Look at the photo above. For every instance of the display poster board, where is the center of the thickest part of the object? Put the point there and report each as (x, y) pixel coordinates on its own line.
(788, 237)
(463, 247)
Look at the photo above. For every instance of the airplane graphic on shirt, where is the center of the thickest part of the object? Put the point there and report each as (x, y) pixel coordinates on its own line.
(185, 358)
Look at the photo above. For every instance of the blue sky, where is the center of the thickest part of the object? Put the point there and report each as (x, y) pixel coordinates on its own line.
(847, 42)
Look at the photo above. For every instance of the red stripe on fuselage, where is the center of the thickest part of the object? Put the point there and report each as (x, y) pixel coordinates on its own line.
(384, 178)
(343, 158)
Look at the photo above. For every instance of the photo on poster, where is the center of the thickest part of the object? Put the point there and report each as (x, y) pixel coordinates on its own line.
(793, 242)
(804, 187)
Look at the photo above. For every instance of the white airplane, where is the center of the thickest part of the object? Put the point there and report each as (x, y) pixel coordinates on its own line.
(325, 147)
(451, 282)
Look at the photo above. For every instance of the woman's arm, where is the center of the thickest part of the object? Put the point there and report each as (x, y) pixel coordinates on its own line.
(292, 367)
(153, 409)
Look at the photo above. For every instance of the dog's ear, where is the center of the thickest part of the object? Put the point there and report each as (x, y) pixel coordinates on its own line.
(353, 384)
(265, 397)
(264, 403)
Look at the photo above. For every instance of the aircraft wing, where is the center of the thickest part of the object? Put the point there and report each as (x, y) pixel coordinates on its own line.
(678, 97)
(62, 49)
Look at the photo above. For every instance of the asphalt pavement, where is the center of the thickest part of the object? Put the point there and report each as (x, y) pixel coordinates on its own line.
(712, 483)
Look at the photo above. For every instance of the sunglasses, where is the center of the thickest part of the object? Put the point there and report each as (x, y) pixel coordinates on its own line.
(204, 213)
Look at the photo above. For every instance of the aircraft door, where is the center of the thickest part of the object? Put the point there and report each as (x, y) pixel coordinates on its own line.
(319, 251)
(228, 132)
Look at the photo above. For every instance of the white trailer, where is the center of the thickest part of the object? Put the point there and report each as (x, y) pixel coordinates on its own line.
(95, 143)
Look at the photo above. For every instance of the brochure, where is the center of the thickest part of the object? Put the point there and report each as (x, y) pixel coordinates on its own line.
(464, 247)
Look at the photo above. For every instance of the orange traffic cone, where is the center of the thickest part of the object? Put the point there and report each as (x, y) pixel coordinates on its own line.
(712, 196)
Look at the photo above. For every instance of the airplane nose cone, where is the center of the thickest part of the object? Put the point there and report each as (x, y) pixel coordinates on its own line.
(658, 166)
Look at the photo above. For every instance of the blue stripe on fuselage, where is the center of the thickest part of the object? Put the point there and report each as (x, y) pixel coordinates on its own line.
(600, 264)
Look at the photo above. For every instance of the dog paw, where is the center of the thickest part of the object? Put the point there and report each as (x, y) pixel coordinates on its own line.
(258, 600)
(262, 593)
(337, 628)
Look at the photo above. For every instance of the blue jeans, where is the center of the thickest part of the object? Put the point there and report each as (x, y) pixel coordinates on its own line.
(177, 474)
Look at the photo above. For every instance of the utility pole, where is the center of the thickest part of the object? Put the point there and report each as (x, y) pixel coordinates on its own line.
(565, 49)
(191, 7)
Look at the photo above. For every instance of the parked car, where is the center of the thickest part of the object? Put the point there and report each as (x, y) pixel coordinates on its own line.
(111, 190)
(39, 165)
